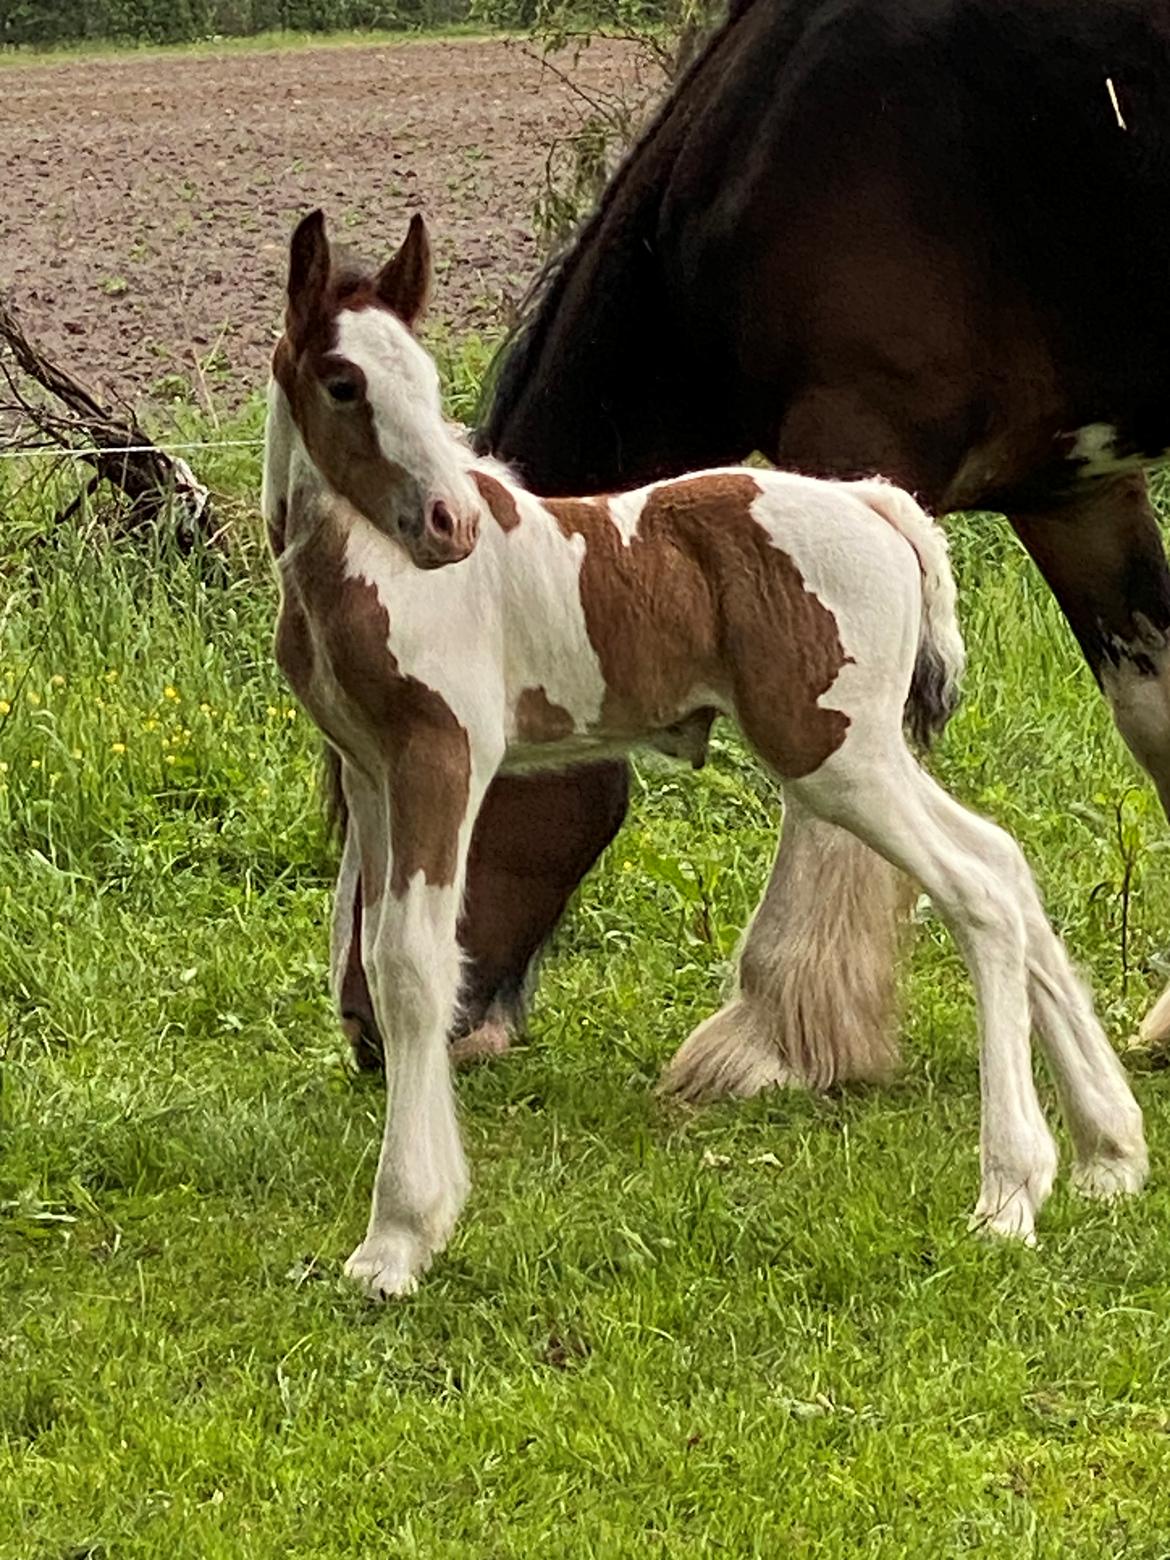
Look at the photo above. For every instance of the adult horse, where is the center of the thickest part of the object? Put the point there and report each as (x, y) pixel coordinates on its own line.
(927, 238)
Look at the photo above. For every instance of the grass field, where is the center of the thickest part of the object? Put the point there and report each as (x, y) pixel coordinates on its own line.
(748, 1330)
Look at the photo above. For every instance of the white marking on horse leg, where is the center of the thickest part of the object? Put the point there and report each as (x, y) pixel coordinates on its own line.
(814, 1000)
(887, 803)
(422, 1181)
(412, 961)
(1103, 1118)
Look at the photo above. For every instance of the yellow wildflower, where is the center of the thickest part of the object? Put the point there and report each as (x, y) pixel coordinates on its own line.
(76, 752)
(56, 681)
(171, 759)
(117, 747)
(205, 709)
(5, 707)
(36, 763)
(111, 675)
(290, 714)
(170, 693)
(273, 712)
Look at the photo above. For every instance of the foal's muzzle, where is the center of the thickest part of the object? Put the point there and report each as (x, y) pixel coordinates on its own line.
(447, 537)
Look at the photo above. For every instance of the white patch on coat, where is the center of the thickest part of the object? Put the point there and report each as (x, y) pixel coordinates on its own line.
(402, 392)
(521, 591)
(865, 574)
(1094, 449)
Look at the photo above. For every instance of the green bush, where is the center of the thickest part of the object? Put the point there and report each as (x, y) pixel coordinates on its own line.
(24, 22)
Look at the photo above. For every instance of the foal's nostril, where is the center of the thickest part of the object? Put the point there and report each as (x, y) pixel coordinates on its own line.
(441, 521)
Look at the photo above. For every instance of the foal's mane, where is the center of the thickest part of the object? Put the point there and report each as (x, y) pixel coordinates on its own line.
(517, 354)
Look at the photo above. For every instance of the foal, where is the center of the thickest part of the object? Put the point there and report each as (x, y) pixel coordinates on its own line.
(820, 615)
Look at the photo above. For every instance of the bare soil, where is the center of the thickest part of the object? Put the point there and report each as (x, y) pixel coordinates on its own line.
(146, 202)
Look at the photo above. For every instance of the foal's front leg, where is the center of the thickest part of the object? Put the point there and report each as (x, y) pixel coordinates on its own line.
(413, 827)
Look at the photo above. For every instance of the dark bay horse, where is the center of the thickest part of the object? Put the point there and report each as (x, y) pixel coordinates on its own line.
(926, 238)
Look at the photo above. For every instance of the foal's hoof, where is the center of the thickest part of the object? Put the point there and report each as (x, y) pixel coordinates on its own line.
(1008, 1204)
(1108, 1177)
(388, 1266)
(1013, 1221)
(492, 1038)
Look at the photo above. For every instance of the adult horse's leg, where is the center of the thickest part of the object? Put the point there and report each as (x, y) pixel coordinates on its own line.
(1102, 554)
(535, 839)
(814, 999)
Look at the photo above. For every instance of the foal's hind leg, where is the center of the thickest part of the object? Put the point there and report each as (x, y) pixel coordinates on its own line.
(1104, 1120)
(888, 803)
(1102, 555)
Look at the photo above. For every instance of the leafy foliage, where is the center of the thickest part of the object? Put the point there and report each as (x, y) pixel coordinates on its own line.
(180, 21)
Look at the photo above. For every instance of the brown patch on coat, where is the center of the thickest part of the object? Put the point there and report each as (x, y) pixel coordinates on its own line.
(700, 598)
(650, 615)
(496, 496)
(332, 644)
(538, 719)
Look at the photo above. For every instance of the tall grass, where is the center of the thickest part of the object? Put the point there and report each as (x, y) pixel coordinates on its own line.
(748, 1330)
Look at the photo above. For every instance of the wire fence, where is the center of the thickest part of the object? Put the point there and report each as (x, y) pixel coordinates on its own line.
(22, 452)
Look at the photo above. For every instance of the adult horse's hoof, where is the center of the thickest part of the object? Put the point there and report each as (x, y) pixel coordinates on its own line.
(365, 1047)
(730, 1056)
(493, 1038)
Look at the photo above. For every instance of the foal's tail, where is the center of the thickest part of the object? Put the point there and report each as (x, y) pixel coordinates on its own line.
(938, 669)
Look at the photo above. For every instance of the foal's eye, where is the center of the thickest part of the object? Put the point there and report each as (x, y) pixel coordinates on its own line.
(342, 390)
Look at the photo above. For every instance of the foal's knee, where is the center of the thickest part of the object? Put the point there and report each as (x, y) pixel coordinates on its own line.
(413, 973)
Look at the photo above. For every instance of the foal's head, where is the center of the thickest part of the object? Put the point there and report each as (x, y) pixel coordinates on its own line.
(364, 395)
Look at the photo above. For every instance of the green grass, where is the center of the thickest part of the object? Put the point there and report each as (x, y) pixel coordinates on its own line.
(103, 48)
(748, 1330)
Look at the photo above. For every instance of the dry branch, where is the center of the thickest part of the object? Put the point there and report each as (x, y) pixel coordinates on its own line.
(156, 484)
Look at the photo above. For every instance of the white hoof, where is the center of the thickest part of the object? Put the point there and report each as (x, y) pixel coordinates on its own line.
(1009, 1218)
(1107, 1177)
(726, 1057)
(387, 1266)
(1009, 1201)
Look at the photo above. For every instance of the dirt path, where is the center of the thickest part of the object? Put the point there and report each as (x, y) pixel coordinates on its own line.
(147, 201)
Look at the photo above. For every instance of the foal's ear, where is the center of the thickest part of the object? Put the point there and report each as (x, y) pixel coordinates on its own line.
(404, 283)
(308, 273)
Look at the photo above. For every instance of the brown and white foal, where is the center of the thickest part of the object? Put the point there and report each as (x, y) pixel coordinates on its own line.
(439, 622)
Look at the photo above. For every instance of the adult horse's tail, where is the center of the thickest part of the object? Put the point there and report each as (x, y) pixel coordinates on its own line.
(815, 1000)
